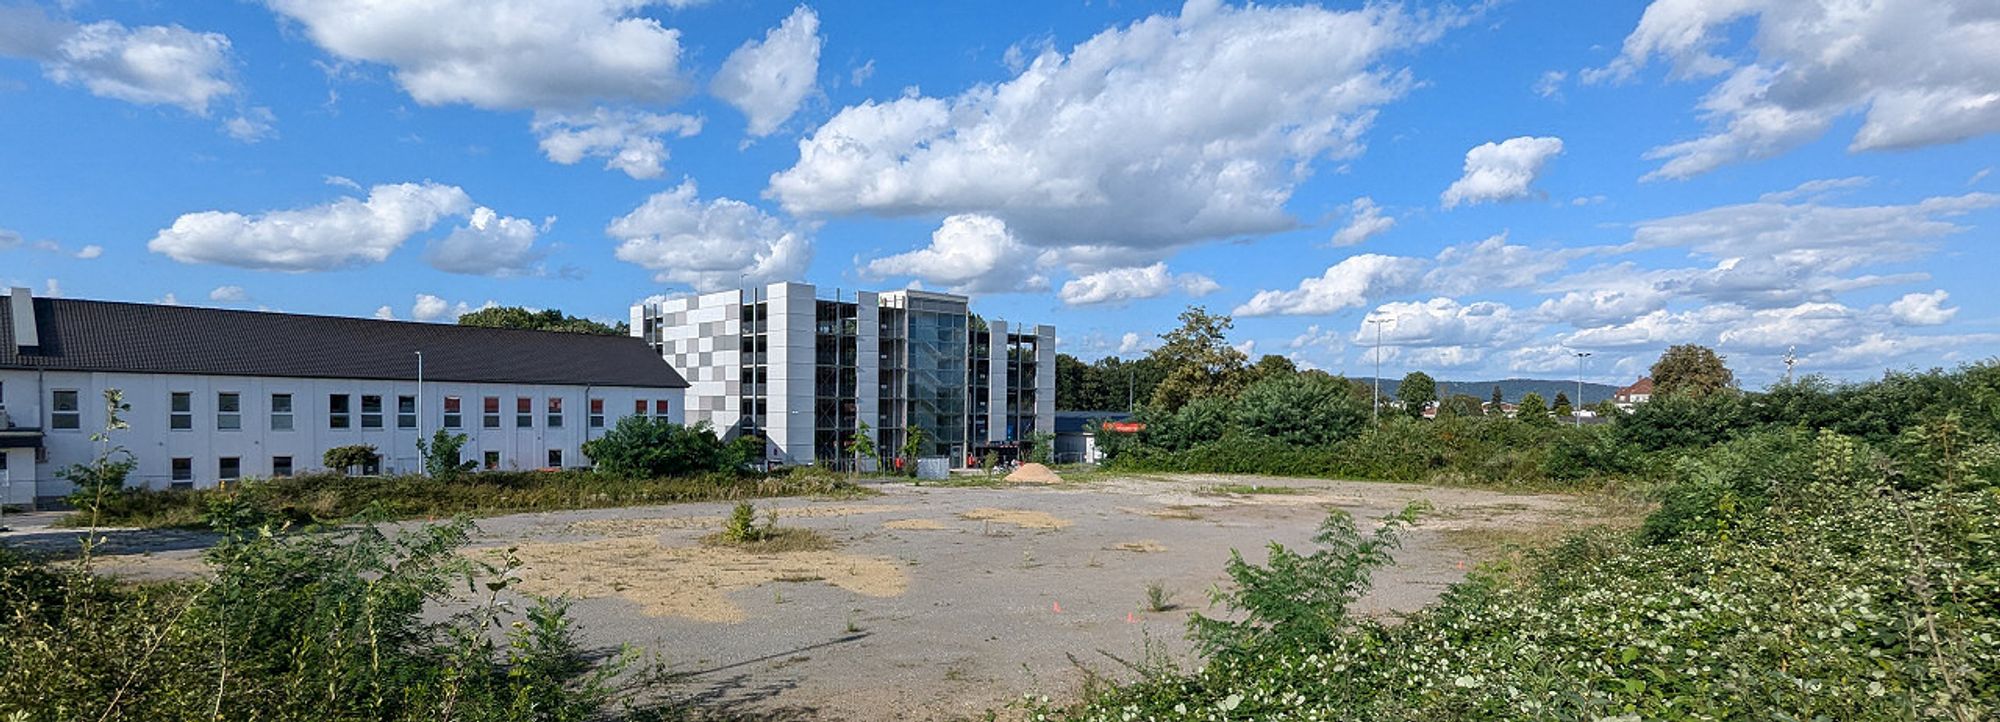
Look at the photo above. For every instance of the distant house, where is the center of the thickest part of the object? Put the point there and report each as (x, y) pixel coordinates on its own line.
(1639, 392)
(1506, 409)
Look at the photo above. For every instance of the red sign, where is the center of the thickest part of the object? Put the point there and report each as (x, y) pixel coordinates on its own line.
(1124, 427)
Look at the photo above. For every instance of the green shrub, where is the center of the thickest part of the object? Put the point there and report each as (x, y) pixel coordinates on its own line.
(324, 625)
(643, 447)
(1300, 409)
(1788, 576)
(345, 458)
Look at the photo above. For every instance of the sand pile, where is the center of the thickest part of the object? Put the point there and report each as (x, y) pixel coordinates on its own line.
(1033, 473)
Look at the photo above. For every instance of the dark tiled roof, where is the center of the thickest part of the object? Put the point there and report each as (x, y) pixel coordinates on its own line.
(79, 335)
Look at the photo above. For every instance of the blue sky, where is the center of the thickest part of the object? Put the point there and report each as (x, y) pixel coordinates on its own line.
(1502, 180)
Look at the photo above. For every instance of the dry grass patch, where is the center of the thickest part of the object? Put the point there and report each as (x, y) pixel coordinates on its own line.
(1177, 511)
(637, 527)
(1143, 546)
(916, 525)
(1018, 517)
(692, 582)
(780, 540)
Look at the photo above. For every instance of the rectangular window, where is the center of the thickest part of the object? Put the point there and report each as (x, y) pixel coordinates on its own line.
(524, 412)
(371, 412)
(490, 460)
(228, 411)
(454, 412)
(183, 469)
(281, 412)
(65, 411)
(555, 412)
(229, 468)
(180, 411)
(597, 413)
(660, 410)
(337, 412)
(555, 458)
(406, 412)
(281, 466)
(489, 416)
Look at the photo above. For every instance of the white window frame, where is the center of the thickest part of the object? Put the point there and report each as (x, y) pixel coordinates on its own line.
(227, 420)
(181, 419)
(288, 414)
(56, 414)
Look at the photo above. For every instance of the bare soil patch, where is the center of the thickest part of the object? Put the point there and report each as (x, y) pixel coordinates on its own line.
(692, 582)
(917, 525)
(1023, 518)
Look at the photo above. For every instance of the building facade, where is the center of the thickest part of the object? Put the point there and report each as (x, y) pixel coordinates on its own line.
(804, 372)
(217, 395)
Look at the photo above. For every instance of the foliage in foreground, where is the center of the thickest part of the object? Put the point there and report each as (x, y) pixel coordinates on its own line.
(1790, 576)
(332, 496)
(294, 626)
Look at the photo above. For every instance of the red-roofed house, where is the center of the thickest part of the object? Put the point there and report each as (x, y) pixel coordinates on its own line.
(1639, 392)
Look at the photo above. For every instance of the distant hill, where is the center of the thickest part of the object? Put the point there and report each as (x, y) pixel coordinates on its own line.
(1511, 389)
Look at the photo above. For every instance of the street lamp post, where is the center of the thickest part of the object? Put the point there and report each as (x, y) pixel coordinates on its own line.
(1375, 408)
(1576, 409)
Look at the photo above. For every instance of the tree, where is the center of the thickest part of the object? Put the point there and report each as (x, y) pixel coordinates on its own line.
(1532, 408)
(862, 446)
(1691, 370)
(641, 447)
(441, 455)
(1269, 367)
(1416, 391)
(913, 445)
(344, 458)
(105, 474)
(1459, 405)
(1562, 407)
(1498, 401)
(544, 320)
(1042, 448)
(1301, 410)
(1200, 362)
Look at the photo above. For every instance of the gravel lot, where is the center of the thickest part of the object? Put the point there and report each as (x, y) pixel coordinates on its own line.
(943, 603)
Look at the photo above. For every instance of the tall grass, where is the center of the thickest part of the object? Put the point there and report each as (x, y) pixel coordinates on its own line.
(327, 496)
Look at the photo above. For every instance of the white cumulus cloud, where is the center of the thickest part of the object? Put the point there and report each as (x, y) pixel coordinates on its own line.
(1364, 221)
(1502, 171)
(1167, 131)
(343, 233)
(1922, 309)
(147, 65)
(232, 294)
(489, 244)
(628, 141)
(709, 245)
(1119, 285)
(1351, 283)
(504, 54)
(969, 253)
(768, 79)
(1919, 73)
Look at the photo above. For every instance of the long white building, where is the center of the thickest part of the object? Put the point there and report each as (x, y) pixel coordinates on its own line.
(804, 372)
(218, 394)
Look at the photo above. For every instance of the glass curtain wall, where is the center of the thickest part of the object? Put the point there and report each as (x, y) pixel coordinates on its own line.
(936, 367)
